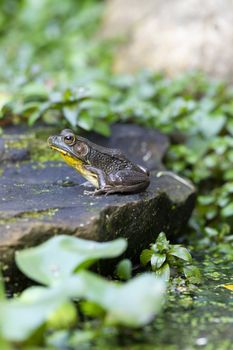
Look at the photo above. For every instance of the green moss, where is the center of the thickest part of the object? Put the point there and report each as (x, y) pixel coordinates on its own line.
(16, 143)
(35, 143)
(43, 154)
(29, 215)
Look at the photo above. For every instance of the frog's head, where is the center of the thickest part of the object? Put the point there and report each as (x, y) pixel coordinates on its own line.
(72, 148)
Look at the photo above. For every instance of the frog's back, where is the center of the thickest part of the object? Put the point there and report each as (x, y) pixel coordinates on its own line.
(112, 162)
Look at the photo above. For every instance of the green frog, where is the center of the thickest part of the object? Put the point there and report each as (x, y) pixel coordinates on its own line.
(108, 170)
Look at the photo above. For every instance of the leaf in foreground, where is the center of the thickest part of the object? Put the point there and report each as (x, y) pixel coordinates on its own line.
(19, 318)
(124, 269)
(133, 303)
(58, 257)
(145, 256)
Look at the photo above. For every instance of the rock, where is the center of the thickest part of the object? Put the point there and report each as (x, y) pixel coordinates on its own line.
(38, 200)
(12, 154)
(15, 155)
(37, 203)
(173, 36)
(2, 149)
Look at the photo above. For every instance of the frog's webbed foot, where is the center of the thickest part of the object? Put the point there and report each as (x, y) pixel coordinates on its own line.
(99, 191)
(106, 190)
(89, 193)
(96, 192)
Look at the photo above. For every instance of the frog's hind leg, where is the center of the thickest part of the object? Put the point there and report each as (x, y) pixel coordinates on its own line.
(129, 189)
(125, 181)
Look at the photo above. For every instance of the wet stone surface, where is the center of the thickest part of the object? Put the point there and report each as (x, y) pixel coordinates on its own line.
(38, 200)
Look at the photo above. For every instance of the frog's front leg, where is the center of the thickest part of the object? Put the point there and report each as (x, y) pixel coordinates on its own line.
(101, 180)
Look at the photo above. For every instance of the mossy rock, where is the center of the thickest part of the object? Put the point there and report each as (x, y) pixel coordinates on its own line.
(41, 199)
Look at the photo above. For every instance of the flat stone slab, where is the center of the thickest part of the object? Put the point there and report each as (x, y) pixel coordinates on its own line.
(38, 200)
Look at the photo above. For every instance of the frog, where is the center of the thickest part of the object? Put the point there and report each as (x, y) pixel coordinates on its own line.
(108, 170)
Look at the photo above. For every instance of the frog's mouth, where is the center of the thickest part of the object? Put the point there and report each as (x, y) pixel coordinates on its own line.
(69, 157)
(60, 150)
(54, 144)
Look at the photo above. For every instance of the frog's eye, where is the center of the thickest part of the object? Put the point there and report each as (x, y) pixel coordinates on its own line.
(81, 148)
(69, 139)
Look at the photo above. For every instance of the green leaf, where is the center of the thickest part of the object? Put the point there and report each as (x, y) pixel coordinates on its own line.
(34, 117)
(161, 244)
(230, 126)
(5, 345)
(91, 309)
(210, 124)
(124, 269)
(85, 121)
(64, 317)
(102, 128)
(227, 211)
(68, 95)
(78, 337)
(34, 91)
(164, 272)
(68, 253)
(180, 252)
(211, 232)
(133, 303)
(5, 97)
(38, 112)
(157, 260)
(145, 256)
(71, 113)
(19, 318)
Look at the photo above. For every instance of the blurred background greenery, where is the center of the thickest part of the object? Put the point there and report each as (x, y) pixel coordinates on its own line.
(48, 50)
(52, 38)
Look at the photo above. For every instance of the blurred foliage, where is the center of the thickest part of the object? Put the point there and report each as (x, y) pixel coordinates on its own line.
(50, 53)
(65, 277)
(48, 37)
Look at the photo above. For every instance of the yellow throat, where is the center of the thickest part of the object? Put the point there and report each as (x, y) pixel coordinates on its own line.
(79, 166)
